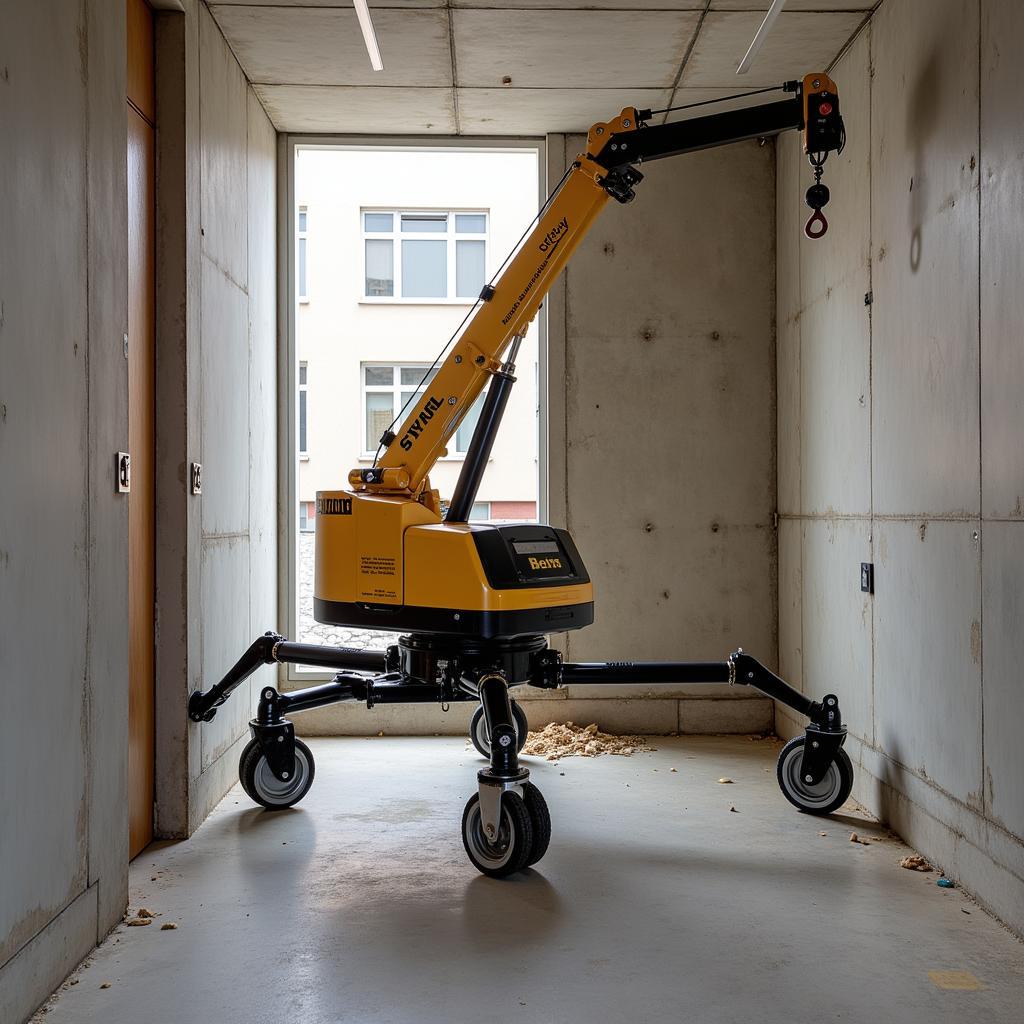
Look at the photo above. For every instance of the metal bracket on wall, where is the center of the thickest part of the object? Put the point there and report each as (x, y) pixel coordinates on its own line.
(195, 478)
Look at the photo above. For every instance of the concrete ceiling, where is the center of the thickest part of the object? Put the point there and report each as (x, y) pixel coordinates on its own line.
(571, 62)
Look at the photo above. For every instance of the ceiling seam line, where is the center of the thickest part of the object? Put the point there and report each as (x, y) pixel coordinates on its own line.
(474, 88)
(455, 68)
(686, 58)
(624, 9)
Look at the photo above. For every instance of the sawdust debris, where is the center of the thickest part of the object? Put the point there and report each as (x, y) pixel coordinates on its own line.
(854, 838)
(169, 926)
(558, 740)
(725, 781)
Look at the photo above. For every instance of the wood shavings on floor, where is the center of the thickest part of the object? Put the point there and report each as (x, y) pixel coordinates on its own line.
(915, 862)
(559, 740)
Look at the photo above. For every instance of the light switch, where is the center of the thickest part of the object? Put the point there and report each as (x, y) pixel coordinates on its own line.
(867, 577)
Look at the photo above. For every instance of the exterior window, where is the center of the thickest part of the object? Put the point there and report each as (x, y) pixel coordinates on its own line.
(307, 516)
(302, 261)
(465, 432)
(386, 390)
(303, 406)
(428, 255)
(480, 510)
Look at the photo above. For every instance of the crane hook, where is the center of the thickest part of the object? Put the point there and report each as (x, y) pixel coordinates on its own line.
(817, 196)
(816, 225)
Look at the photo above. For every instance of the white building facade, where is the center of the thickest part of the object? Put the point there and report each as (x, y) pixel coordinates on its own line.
(393, 246)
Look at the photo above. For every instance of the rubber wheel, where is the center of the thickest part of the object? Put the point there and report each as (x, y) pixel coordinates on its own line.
(478, 729)
(511, 849)
(540, 819)
(824, 797)
(260, 783)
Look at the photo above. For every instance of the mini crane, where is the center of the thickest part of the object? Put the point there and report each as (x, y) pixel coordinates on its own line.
(473, 603)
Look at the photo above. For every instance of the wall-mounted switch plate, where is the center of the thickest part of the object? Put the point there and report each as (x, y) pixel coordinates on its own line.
(867, 577)
(123, 472)
(195, 478)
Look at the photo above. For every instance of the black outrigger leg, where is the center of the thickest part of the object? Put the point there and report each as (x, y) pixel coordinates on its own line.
(273, 731)
(824, 734)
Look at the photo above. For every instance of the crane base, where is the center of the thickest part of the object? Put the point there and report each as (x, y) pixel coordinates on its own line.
(506, 824)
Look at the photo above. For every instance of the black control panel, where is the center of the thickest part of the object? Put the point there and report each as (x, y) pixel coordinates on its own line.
(514, 557)
(825, 130)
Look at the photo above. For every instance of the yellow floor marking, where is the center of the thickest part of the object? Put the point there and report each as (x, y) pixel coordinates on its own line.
(962, 981)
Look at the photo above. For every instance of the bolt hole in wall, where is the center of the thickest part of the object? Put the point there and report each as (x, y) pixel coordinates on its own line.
(391, 246)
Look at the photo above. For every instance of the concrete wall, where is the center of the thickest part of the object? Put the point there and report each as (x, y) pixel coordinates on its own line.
(216, 402)
(662, 430)
(899, 433)
(63, 415)
(63, 546)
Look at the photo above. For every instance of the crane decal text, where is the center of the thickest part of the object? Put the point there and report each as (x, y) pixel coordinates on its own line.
(547, 246)
(426, 414)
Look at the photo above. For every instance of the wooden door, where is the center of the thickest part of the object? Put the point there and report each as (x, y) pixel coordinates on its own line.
(141, 500)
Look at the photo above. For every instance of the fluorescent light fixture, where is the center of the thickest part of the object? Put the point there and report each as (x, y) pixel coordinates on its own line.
(369, 36)
(759, 38)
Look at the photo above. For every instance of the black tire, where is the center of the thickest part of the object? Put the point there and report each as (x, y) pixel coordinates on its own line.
(825, 797)
(511, 850)
(478, 729)
(540, 819)
(262, 786)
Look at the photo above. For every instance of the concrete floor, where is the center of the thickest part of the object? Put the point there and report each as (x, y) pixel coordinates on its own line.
(654, 903)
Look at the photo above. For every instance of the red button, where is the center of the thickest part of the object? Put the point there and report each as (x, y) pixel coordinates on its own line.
(825, 109)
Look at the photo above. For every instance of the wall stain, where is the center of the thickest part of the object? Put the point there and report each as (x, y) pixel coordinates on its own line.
(922, 530)
(976, 642)
(83, 50)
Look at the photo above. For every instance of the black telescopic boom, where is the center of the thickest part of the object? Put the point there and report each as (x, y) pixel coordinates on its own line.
(652, 142)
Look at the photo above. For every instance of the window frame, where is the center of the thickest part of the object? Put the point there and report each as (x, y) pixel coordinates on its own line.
(303, 390)
(395, 389)
(302, 244)
(369, 449)
(292, 676)
(396, 236)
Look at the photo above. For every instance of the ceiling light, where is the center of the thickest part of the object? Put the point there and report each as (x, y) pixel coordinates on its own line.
(369, 36)
(759, 38)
